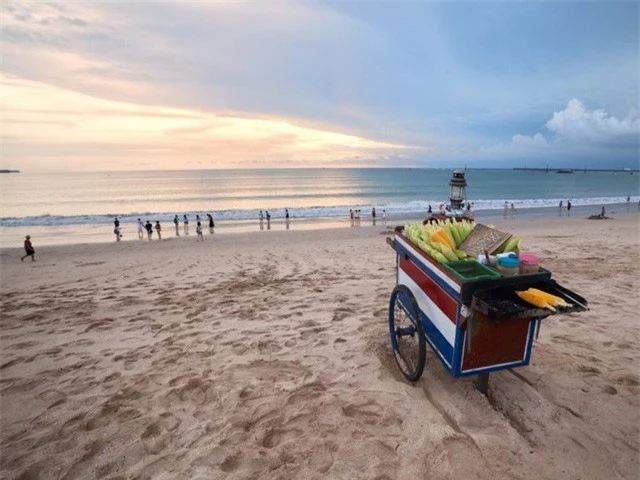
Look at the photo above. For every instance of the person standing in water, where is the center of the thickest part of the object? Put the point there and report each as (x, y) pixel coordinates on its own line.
(140, 229)
(176, 222)
(569, 207)
(186, 224)
(211, 223)
(28, 248)
(158, 228)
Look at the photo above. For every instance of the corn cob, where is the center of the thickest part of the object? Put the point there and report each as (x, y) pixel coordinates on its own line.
(440, 236)
(535, 299)
(551, 299)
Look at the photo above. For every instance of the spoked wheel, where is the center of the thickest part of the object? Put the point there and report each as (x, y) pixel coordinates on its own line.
(407, 335)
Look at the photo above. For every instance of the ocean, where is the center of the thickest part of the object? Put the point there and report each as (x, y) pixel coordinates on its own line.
(81, 207)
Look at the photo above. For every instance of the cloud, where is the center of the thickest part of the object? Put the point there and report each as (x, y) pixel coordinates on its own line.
(444, 76)
(577, 124)
(576, 130)
(43, 125)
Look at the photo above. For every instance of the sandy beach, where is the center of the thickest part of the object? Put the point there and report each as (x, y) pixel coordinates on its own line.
(266, 355)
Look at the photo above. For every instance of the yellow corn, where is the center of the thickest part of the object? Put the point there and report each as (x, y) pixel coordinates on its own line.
(440, 236)
(551, 299)
(535, 299)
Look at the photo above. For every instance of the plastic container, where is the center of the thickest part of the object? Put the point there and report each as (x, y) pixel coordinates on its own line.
(529, 263)
(482, 258)
(508, 266)
(470, 270)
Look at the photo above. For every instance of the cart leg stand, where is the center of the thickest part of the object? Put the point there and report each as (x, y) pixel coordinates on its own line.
(482, 383)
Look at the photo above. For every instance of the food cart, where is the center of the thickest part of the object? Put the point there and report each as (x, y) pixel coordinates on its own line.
(468, 313)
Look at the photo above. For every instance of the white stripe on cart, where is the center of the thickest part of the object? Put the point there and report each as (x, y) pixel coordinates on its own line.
(446, 327)
(425, 264)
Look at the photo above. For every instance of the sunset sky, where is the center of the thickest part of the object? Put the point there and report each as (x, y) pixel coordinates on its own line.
(226, 84)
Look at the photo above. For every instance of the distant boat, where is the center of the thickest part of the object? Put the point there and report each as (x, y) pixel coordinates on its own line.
(564, 170)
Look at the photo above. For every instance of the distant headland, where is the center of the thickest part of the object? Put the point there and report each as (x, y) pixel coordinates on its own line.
(585, 170)
(9, 171)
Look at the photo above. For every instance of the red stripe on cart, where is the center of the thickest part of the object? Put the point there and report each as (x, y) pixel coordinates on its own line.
(440, 298)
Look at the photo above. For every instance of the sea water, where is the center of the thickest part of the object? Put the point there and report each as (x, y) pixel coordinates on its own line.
(71, 207)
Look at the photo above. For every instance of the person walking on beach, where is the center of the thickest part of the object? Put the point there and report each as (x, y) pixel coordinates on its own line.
(351, 216)
(211, 223)
(286, 217)
(373, 215)
(602, 212)
(569, 207)
(158, 228)
(176, 222)
(261, 220)
(149, 229)
(140, 229)
(560, 209)
(384, 217)
(429, 210)
(505, 209)
(513, 211)
(268, 219)
(199, 232)
(186, 224)
(28, 248)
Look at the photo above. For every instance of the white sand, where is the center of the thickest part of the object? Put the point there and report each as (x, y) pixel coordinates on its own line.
(266, 355)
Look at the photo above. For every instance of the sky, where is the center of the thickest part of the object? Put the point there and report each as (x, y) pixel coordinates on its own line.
(134, 85)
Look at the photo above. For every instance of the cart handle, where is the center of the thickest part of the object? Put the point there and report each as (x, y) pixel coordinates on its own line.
(392, 244)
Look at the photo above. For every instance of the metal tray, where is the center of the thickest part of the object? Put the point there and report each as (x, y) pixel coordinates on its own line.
(502, 303)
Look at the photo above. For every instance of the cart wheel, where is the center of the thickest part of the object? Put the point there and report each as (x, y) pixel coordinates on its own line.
(407, 333)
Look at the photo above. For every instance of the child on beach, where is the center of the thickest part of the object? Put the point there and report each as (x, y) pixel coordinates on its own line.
(158, 228)
(28, 247)
(199, 232)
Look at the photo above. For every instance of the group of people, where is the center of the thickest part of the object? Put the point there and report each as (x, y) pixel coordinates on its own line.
(568, 208)
(149, 227)
(446, 208)
(354, 216)
(508, 207)
(267, 216)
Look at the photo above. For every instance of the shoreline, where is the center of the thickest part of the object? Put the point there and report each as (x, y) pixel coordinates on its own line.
(103, 233)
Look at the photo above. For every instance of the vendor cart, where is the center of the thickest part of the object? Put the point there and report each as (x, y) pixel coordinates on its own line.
(470, 317)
